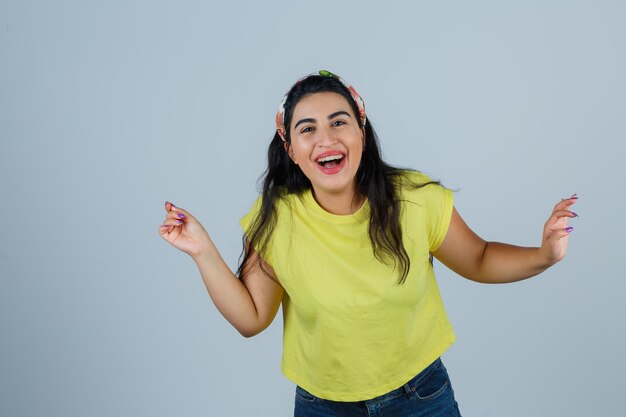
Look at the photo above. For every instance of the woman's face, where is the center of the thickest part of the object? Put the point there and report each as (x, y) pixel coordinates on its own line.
(326, 142)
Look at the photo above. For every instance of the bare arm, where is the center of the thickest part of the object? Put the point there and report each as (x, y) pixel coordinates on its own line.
(492, 262)
(249, 304)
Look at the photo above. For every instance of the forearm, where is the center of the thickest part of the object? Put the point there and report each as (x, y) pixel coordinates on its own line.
(230, 296)
(502, 263)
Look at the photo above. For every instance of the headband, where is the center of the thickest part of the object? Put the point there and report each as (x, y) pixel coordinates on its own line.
(280, 116)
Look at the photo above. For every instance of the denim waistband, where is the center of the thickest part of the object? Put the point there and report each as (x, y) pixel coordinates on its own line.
(408, 388)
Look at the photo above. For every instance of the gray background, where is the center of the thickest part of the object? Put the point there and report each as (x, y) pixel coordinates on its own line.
(109, 109)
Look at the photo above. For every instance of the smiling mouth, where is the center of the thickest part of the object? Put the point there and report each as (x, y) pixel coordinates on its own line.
(330, 162)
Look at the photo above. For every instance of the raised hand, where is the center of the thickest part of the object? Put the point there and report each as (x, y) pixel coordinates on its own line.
(183, 231)
(556, 231)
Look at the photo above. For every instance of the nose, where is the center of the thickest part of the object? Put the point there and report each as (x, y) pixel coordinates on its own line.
(326, 137)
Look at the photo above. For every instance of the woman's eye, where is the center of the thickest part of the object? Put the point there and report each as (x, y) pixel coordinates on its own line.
(307, 129)
(338, 123)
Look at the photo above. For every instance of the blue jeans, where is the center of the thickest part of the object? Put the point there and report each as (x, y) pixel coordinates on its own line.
(429, 393)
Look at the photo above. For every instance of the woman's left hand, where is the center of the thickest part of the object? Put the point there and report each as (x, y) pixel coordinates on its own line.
(556, 231)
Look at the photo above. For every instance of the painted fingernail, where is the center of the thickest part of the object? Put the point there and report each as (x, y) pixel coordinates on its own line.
(574, 196)
(181, 216)
(575, 215)
(179, 222)
(166, 203)
(569, 229)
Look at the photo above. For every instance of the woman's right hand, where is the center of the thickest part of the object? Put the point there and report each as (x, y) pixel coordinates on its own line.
(183, 231)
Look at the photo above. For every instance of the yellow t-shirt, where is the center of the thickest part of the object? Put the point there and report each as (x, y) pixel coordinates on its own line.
(351, 333)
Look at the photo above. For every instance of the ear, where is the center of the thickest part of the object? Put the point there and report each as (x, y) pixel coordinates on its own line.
(289, 151)
(363, 136)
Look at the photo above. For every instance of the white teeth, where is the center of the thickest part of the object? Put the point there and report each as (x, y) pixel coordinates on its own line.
(330, 158)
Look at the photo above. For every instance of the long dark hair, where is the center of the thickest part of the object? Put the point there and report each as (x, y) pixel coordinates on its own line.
(375, 179)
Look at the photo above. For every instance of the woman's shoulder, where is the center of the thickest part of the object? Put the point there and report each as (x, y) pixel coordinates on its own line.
(421, 190)
(408, 179)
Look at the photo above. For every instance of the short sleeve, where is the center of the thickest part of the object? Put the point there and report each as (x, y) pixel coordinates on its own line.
(247, 220)
(247, 223)
(440, 202)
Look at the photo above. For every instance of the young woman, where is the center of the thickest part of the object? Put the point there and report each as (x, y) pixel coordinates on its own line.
(345, 242)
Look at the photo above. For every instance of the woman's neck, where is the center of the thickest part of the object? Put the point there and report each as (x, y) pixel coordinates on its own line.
(339, 203)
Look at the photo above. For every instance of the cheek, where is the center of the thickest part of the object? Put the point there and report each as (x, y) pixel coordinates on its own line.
(300, 150)
(358, 157)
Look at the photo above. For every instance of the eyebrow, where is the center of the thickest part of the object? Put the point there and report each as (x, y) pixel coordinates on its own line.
(330, 116)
